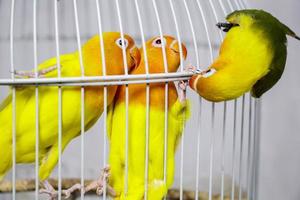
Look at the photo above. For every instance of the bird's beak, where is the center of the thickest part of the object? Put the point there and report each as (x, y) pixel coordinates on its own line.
(224, 26)
(136, 56)
(175, 47)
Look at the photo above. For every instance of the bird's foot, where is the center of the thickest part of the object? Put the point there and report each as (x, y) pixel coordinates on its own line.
(53, 194)
(49, 190)
(67, 193)
(101, 183)
(30, 74)
(191, 68)
(182, 85)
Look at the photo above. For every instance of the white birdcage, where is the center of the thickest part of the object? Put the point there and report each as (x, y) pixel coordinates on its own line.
(217, 157)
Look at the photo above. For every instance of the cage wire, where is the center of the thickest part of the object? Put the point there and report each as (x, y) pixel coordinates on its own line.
(218, 153)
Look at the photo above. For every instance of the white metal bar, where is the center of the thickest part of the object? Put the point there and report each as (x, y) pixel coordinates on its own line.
(233, 149)
(142, 36)
(212, 141)
(224, 125)
(203, 17)
(211, 156)
(198, 66)
(216, 17)
(87, 79)
(245, 4)
(178, 36)
(249, 162)
(224, 110)
(193, 33)
(213, 104)
(36, 102)
(240, 185)
(182, 69)
(256, 147)
(166, 90)
(126, 98)
(59, 95)
(198, 151)
(99, 20)
(237, 4)
(159, 80)
(161, 35)
(122, 36)
(223, 151)
(147, 90)
(223, 7)
(12, 69)
(230, 5)
(82, 104)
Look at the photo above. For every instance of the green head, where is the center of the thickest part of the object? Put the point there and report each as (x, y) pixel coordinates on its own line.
(251, 17)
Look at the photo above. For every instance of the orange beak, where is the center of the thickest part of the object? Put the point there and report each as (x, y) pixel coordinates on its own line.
(136, 56)
(175, 48)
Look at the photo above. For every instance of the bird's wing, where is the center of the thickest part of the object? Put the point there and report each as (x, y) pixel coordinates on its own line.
(180, 112)
(109, 118)
(5, 102)
(275, 71)
(49, 66)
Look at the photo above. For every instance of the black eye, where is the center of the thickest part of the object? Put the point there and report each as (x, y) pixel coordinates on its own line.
(122, 43)
(158, 41)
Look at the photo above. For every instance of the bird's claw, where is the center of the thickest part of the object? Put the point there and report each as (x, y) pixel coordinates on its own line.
(67, 193)
(193, 69)
(100, 183)
(30, 74)
(182, 85)
(53, 194)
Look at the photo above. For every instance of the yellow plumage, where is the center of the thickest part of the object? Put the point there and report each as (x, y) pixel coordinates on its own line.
(71, 102)
(157, 188)
(238, 66)
(252, 57)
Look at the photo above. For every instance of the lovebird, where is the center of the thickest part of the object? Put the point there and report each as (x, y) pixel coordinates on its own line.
(71, 102)
(178, 110)
(252, 57)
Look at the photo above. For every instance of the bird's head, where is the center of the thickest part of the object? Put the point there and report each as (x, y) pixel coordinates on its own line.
(113, 52)
(155, 54)
(255, 19)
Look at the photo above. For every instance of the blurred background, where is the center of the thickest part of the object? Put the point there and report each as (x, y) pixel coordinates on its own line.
(279, 162)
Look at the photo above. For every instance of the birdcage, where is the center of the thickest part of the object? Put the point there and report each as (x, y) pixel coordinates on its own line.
(217, 156)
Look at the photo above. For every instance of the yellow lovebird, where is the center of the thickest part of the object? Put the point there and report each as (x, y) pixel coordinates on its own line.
(177, 109)
(71, 103)
(252, 57)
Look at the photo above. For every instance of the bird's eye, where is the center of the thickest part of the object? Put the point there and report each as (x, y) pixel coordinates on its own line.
(158, 42)
(122, 43)
(209, 72)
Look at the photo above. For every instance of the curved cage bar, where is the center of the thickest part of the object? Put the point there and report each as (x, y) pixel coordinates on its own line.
(217, 156)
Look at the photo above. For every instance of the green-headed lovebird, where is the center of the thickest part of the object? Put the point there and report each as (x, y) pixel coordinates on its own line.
(252, 57)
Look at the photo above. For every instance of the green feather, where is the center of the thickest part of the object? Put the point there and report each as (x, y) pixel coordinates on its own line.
(275, 34)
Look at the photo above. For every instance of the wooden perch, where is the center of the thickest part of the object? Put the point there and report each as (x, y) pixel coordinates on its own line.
(29, 186)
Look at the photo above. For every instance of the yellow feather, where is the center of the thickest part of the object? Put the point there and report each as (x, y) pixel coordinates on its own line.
(157, 188)
(48, 106)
